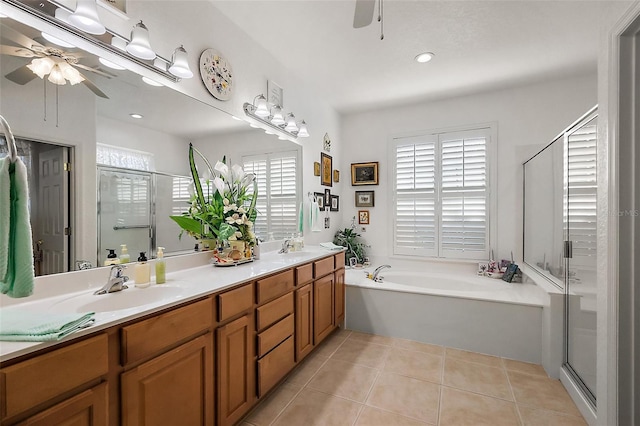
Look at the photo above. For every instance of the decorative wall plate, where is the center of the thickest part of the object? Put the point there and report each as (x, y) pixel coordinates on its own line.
(216, 74)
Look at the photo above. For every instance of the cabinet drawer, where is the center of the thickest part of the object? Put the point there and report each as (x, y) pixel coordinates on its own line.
(273, 311)
(304, 274)
(151, 336)
(39, 379)
(270, 338)
(275, 366)
(323, 267)
(274, 286)
(235, 302)
(339, 260)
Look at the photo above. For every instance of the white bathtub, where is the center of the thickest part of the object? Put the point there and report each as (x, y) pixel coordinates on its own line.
(459, 310)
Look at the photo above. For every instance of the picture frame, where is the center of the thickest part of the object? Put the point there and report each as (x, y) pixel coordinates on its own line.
(316, 168)
(363, 217)
(275, 94)
(327, 198)
(335, 203)
(336, 176)
(118, 6)
(326, 166)
(364, 173)
(319, 196)
(365, 199)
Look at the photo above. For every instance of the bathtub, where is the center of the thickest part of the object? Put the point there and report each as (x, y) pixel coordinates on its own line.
(454, 308)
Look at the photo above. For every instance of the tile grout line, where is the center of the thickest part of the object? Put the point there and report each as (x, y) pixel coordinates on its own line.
(513, 394)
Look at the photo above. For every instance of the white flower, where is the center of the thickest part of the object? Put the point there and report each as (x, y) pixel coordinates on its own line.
(222, 169)
(238, 221)
(219, 185)
(225, 202)
(241, 210)
(248, 178)
(237, 234)
(237, 173)
(234, 218)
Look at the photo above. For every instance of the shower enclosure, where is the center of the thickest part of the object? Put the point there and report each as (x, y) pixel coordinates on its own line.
(560, 238)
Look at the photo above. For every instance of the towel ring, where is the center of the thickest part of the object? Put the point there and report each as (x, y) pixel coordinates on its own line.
(11, 142)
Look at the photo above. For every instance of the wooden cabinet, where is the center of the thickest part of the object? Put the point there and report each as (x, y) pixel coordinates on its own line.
(339, 297)
(323, 323)
(304, 321)
(88, 408)
(275, 365)
(235, 358)
(171, 389)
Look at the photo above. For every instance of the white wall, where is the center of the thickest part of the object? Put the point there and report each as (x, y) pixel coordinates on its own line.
(527, 118)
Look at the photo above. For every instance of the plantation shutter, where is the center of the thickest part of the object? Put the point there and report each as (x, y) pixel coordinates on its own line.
(580, 207)
(180, 195)
(464, 230)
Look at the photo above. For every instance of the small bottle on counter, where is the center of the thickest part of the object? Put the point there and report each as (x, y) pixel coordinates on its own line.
(142, 271)
(124, 254)
(112, 258)
(161, 267)
(256, 250)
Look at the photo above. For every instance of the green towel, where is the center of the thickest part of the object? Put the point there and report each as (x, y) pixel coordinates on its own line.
(29, 326)
(16, 253)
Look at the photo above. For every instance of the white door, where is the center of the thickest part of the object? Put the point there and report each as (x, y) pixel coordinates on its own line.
(54, 203)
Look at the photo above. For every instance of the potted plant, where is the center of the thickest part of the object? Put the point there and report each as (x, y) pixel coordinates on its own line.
(347, 237)
(228, 210)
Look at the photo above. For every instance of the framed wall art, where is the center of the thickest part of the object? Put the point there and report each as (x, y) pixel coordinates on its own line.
(316, 168)
(335, 203)
(363, 217)
(327, 198)
(365, 199)
(336, 176)
(274, 94)
(326, 167)
(364, 173)
(319, 196)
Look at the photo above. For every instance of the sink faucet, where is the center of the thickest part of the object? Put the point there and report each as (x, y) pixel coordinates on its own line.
(286, 244)
(377, 272)
(116, 281)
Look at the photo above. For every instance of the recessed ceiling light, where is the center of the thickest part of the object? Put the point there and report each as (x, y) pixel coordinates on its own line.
(135, 115)
(110, 64)
(151, 82)
(56, 40)
(424, 57)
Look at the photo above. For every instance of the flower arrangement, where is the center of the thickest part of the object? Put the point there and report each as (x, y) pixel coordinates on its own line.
(228, 210)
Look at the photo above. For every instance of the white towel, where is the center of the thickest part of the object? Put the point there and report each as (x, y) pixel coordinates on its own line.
(4, 215)
(314, 217)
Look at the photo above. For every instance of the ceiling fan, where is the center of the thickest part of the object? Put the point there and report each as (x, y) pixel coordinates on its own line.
(59, 64)
(363, 15)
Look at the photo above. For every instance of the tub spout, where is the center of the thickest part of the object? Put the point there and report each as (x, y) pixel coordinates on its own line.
(377, 272)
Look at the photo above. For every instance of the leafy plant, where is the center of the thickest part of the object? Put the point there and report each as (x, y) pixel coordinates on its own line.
(348, 238)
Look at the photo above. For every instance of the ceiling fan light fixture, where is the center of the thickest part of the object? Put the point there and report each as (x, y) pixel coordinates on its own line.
(86, 18)
(139, 46)
(180, 63)
(278, 118)
(291, 124)
(70, 73)
(41, 66)
(56, 77)
(56, 40)
(424, 57)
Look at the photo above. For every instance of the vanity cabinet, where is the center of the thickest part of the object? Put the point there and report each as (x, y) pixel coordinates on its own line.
(323, 323)
(339, 297)
(304, 321)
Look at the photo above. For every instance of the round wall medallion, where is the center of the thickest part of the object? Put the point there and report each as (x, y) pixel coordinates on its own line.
(216, 74)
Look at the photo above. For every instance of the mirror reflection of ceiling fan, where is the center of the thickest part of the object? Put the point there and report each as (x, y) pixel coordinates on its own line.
(57, 64)
(363, 15)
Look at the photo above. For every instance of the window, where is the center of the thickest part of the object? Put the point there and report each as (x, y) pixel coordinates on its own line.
(441, 194)
(277, 175)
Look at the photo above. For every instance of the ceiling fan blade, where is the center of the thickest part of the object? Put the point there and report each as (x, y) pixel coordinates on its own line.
(364, 13)
(17, 37)
(95, 70)
(22, 75)
(16, 51)
(93, 87)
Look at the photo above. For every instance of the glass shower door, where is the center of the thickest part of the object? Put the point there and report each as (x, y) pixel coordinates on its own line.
(580, 252)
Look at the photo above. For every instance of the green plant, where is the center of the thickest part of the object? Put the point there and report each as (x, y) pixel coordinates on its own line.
(348, 238)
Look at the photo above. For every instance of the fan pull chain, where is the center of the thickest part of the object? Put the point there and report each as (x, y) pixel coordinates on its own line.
(57, 107)
(44, 87)
(381, 19)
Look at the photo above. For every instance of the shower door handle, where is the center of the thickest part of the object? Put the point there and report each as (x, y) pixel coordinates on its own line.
(568, 249)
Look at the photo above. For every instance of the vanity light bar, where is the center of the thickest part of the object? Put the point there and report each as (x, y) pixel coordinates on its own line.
(250, 111)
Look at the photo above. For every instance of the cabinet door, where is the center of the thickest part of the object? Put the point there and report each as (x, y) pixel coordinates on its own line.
(172, 389)
(322, 308)
(339, 289)
(236, 369)
(304, 321)
(88, 408)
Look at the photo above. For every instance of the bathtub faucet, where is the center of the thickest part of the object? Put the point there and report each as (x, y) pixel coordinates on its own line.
(377, 272)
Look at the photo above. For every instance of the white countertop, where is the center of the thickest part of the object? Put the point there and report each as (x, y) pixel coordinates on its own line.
(182, 286)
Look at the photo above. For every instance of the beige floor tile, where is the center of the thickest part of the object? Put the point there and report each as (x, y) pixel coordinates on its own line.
(344, 379)
(330, 344)
(414, 364)
(311, 408)
(267, 410)
(307, 368)
(524, 367)
(372, 338)
(373, 417)
(478, 378)
(541, 392)
(532, 416)
(419, 346)
(459, 408)
(358, 352)
(492, 361)
(406, 396)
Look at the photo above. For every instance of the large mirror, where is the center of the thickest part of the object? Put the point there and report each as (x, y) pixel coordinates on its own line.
(142, 175)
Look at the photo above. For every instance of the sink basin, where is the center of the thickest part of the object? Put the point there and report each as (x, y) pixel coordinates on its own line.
(126, 299)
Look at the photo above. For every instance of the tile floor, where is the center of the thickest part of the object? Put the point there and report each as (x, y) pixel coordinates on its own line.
(362, 379)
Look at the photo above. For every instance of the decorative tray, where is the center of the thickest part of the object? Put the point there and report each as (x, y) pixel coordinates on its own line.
(232, 262)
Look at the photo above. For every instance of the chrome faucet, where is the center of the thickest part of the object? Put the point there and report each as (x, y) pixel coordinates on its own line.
(116, 281)
(286, 244)
(375, 277)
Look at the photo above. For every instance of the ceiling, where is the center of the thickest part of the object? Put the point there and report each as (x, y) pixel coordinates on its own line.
(479, 45)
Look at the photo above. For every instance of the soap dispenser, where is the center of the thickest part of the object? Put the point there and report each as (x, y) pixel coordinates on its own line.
(161, 267)
(142, 271)
(124, 254)
(112, 258)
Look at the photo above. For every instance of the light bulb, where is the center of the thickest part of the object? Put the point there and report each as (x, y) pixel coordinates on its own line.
(86, 18)
(56, 76)
(139, 45)
(291, 124)
(110, 64)
(70, 73)
(424, 57)
(262, 110)
(180, 64)
(277, 118)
